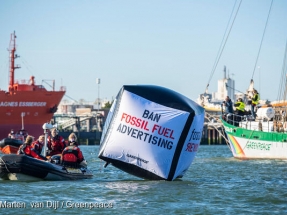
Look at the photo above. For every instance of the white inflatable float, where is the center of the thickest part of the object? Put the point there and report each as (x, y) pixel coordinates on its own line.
(152, 132)
(265, 113)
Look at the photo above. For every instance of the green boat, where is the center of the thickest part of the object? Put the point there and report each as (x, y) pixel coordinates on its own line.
(260, 139)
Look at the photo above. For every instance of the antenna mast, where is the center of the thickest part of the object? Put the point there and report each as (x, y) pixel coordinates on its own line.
(13, 56)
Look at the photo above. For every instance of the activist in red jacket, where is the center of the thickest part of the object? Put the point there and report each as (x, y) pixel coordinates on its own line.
(27, 149)
(56, 143)
(38, 144)
(72, 155)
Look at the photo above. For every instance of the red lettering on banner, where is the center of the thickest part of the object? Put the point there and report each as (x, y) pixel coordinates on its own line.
(191, 147)
(132, 120)
(166, 132)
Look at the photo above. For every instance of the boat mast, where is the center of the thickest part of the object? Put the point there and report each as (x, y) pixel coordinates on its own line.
(13, 56)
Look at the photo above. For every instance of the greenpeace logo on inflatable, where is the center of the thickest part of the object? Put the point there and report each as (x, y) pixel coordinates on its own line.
(138, 128)
(136, 157)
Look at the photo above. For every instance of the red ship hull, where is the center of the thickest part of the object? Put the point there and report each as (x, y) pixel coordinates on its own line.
(37, 107)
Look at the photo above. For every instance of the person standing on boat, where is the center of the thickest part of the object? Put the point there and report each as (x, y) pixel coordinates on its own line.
(228, 105)
(240, 107)
(254, 102)
(228, 109)
(56, 143)
(38, 144)
(27, 149)
(72, 155)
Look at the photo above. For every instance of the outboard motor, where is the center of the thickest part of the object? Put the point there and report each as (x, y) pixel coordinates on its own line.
(56, 159)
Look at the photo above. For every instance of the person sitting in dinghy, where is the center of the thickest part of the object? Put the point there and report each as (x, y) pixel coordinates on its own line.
(72, 139)
(22, 134)
(56, 143)
(27, 149)
(72, 155)
(11, 134)
(19, 136)
(38, 144)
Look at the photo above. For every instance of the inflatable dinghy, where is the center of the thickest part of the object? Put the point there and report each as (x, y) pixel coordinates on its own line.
(10, 146)
(22, 167)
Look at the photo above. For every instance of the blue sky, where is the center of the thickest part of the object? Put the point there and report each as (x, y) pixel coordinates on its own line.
(172, 44)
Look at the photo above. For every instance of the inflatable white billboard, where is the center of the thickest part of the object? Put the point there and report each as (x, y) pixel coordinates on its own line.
(152, 132)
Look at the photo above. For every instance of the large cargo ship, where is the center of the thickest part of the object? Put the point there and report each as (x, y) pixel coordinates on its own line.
(26, 105)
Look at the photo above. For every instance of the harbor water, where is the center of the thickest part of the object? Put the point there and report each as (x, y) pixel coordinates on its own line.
(215, 183)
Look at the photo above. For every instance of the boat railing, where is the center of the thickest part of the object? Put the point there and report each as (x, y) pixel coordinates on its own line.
(216, 123)
(63, 88)
(247, 122)
(22, 81)
(38, 86)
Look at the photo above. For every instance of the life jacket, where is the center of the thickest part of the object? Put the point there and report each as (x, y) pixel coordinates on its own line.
(29, 151)
(70, 154)
(241, 106)
(56, 143)
(255, 99)
(37, 146)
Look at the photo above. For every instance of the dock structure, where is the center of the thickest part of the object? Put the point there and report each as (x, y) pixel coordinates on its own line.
(212, 134)
(82, 120)
(212, 129)
(87, 128)
(86, 125)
